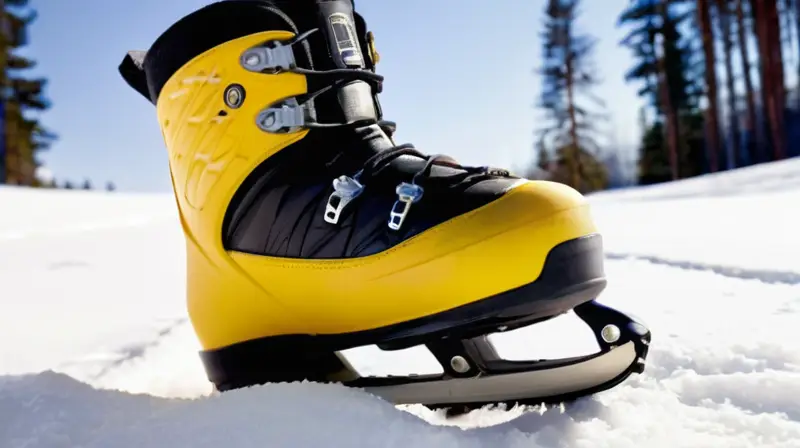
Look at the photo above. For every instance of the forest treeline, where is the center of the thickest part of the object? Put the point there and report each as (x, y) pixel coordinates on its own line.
(713, 74)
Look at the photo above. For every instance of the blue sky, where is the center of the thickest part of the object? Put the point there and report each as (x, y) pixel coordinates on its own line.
(459, 80)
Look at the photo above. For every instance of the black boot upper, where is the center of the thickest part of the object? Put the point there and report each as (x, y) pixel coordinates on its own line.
(280, 209)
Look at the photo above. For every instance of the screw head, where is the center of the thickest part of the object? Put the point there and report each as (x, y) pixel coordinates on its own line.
(610, 334)
(459, 364)
(234, 96)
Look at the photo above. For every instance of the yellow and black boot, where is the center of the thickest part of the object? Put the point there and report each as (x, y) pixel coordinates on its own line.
(309, 231)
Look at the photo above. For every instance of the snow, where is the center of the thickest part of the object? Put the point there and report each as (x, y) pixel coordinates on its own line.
(97, 350)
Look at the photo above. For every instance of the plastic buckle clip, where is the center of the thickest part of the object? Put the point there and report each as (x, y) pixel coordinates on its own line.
(287, 116)
(407, 194)
(274, 59)
(345, 190)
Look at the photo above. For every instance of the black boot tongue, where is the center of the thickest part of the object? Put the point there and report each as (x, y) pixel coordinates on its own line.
(340, 48)
(337, 46)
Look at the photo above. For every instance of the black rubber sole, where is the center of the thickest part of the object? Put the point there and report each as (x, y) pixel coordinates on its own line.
(573, 274)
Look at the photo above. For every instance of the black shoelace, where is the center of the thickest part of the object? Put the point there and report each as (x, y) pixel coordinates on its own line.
(348, 188)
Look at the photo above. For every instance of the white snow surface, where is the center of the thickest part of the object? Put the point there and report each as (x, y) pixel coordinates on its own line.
(96, 349)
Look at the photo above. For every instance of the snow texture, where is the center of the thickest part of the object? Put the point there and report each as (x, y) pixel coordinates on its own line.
(97, 350)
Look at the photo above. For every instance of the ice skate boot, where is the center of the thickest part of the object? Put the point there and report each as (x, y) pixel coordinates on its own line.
(309, 231)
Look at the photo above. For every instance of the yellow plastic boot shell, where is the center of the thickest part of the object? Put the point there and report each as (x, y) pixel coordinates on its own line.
(212, 148)
(493, 249)
(234, 297)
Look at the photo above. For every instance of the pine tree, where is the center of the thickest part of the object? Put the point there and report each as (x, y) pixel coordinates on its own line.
(661, 64)
(669, 66)
(653, 164)
(568, 77)
(755, 145)
(725, 17)
(768, 33)
(797, 33)
(648, 19)
(543, 156)
(710, 75)
(23, 136)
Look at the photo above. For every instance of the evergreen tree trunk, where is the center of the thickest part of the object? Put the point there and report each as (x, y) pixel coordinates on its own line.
(670, 111)
(3, 64)
(652, 57)
(727, 42)
(712, 112)
(797, 34)
(575, 153)
(763, 81)
(756, 149)
(785, 13)
(772, 76)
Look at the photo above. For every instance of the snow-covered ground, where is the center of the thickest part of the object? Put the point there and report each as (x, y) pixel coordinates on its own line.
(97, 352)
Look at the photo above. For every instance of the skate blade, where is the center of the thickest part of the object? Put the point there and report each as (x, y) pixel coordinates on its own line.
(547, 385)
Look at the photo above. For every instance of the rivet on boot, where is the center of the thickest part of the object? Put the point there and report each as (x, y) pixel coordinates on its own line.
(234, 96)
